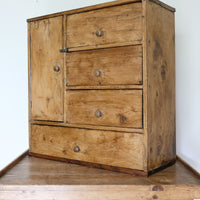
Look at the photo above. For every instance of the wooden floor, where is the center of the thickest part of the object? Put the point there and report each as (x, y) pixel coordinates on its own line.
(35, 178)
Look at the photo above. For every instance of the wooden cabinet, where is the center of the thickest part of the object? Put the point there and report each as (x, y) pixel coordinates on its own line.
(102, 86)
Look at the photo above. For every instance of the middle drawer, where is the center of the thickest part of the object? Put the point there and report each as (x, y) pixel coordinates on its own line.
(113, 66)
(120, 108)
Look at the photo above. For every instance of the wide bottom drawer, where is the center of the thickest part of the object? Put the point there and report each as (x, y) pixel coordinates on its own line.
(103, 147)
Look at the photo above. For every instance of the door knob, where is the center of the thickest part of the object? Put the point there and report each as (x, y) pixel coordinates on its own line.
(77, 149)
(56, 68)
(99, 33)
(98, 113)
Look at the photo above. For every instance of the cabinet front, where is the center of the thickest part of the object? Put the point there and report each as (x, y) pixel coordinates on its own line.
(47, 69)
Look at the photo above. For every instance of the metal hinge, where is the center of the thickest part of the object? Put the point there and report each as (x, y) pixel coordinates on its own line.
(31, 104)
(64, 50)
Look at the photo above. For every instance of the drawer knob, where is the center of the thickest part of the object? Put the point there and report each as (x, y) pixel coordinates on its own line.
(56, 68)
(98, 73)
(98, 113)
(99, 33)
(77, 149)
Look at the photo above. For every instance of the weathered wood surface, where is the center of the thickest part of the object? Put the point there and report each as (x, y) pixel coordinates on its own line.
(46, 80)
(109, 148)
(119, 25)
(113, 66)
(121, 108)
(160, 65)
(35, 178)
(99, 6)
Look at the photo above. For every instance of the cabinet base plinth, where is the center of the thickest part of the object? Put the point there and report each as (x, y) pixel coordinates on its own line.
(106, 167)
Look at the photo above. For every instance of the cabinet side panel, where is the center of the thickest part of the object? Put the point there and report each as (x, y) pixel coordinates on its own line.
(160, 85)
(29, 79)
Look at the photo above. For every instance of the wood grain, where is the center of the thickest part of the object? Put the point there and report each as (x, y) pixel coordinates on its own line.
(117, 66)
(99, 6)
(161, 85)
(117, 192)
(46, 84)
(122, 108)
(119, 24)
(109, 148)
(90, 127)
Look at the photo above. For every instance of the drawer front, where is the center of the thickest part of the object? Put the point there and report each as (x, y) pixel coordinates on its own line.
(113, 66)
(109, 148)
(121, 108)
(115, 26)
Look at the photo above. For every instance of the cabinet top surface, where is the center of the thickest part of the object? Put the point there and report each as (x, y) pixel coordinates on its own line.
(31, 171)
(99, 6)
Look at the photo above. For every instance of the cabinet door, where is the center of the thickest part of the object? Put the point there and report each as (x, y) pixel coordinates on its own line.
(47, 69)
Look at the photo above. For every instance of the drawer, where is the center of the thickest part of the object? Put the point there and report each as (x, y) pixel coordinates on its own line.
(113, 66)
(121, 108)
(108, 148)
(114, 26)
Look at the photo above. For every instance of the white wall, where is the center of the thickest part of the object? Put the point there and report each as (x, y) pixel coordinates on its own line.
(13, 69)
(13, 74)
(187, 80)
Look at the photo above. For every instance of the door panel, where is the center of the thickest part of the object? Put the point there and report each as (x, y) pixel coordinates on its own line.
(47, 69)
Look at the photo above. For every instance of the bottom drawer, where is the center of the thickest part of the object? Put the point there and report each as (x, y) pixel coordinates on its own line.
(103, 147)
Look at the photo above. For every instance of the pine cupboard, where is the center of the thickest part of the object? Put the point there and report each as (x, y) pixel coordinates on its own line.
(102, 86)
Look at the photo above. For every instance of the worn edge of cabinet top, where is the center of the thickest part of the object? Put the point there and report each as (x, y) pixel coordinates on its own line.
(99, 6)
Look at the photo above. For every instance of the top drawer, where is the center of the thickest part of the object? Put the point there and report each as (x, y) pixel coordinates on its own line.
(115, 26)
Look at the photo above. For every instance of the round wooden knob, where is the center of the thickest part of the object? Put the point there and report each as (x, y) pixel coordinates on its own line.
(77, 149)
(98, 113)
(56, 68)
(99, 33)
(98, 73)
